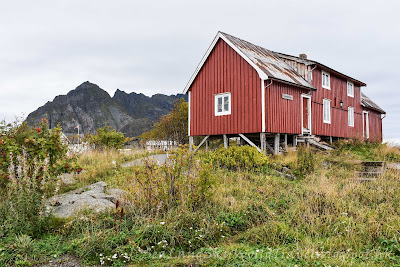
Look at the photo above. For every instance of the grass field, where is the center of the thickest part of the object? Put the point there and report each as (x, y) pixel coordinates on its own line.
(230, 208)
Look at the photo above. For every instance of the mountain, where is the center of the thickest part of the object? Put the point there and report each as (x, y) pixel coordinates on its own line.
(91, 107)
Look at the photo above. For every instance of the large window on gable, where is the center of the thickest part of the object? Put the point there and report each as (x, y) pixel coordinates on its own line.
(350, 89)
(222, 104)
(351, 116)
(326, 111)
(326, 80)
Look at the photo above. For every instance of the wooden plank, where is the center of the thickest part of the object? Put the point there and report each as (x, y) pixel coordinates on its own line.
(217, 145)
(263, 141)
(190, 143)
(201, 143)
(250, 143)
(276, 143)
(269, 147)
(226, 141)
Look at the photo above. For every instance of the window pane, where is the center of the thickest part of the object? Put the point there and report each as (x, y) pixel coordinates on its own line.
(226, 103)
(219, 104)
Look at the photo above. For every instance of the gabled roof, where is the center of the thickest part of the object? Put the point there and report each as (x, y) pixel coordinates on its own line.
(265, 62)
(368, 103)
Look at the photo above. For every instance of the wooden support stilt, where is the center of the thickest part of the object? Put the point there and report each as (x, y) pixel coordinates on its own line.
(201, 143)
(263, 142)
(250, 143)
(217, 145)
(207, 145)
(294, 140)
(269, 147)
(276, 143)
(191, 143)
(285, 142)
(226, 141)
(330, 139)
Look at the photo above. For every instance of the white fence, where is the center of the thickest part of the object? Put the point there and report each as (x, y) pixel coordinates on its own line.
(161, 144)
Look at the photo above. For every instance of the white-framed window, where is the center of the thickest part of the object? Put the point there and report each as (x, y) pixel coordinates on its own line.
(351, 116)
(350, 89)
(222, 104)
(326, 110)
(326, 80)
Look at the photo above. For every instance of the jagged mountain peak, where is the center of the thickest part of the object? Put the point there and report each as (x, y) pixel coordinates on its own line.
(91, 107)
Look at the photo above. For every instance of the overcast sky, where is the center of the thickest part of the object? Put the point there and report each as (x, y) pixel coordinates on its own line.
(48, 47)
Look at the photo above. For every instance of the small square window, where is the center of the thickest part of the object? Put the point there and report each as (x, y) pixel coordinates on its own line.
(327, 111)
(350, 89)
(351, 116)
(326, 80)
(222, 104)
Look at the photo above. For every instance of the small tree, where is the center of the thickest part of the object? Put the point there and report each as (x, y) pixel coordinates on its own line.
(106, 138)
(173, 126)
(37, 144)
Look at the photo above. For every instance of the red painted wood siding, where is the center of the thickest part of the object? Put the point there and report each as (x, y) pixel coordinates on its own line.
(375, 126)
(225, 71)
(339, 116)
(282, 115)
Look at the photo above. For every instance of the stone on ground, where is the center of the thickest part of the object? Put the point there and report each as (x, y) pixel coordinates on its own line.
(92, 197)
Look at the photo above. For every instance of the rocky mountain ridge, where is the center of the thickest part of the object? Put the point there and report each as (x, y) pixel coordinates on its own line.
(91, 107)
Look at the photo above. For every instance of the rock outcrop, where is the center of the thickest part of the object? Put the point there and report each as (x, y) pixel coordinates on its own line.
(92, 197)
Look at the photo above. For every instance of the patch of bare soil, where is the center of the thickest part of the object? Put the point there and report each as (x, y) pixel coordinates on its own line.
(63, 261)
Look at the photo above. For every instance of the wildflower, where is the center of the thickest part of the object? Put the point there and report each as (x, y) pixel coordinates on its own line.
(257, 250)
(162, 223)
(114, 256)
(38, 129)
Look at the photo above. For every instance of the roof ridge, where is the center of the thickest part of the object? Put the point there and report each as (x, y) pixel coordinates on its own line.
(257, 49)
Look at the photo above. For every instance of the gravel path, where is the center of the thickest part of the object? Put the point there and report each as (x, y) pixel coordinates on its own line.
(159, 159)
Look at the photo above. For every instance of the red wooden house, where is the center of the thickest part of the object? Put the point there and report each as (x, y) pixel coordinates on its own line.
(269, 98)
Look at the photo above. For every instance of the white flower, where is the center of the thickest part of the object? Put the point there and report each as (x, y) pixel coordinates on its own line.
(162, 223)
(222, 236)
(257, 250)
(349, 250)
(101, 254)
(160, 256)
(114, 256)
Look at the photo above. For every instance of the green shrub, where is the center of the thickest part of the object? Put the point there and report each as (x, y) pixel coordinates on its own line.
(238, 158)
(305, 162)
(106, 138)
(183, 181)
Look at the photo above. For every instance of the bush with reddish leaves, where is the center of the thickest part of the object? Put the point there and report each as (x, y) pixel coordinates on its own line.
(39, 143)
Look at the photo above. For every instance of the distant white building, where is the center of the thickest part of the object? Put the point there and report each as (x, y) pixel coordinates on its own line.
(161, 144)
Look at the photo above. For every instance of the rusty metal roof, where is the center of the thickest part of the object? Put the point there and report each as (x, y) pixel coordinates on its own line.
(368, 103)
(268, 62)
(307, 61)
